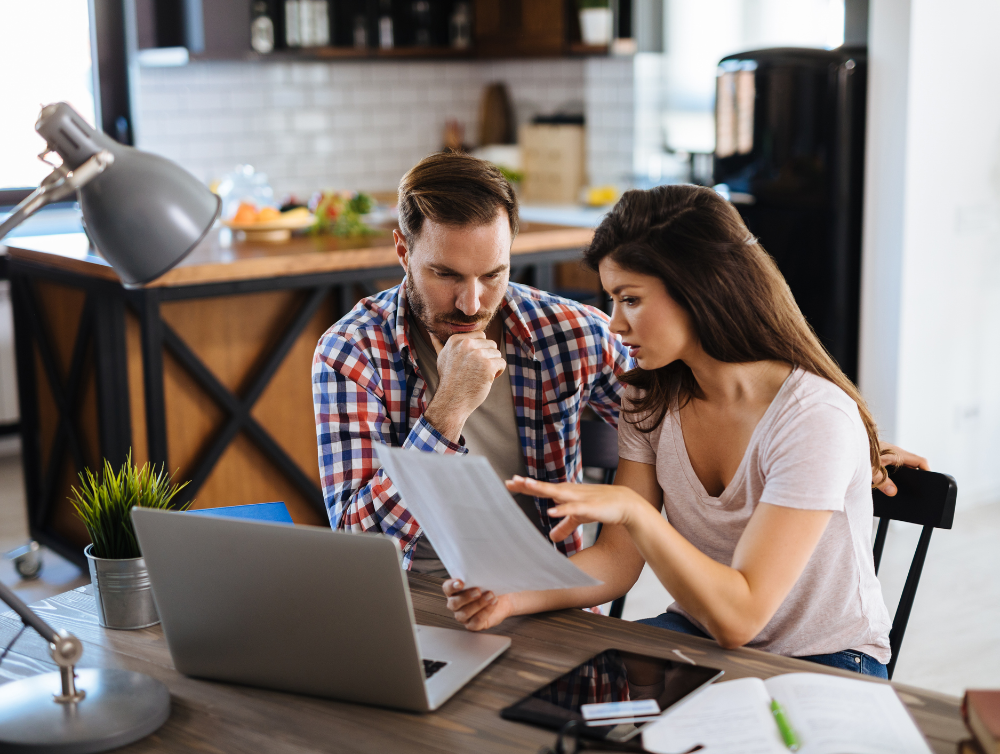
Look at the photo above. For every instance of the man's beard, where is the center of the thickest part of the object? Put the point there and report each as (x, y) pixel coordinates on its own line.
(437, 324)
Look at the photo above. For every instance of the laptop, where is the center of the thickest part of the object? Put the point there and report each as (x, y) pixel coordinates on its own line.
(301, 609)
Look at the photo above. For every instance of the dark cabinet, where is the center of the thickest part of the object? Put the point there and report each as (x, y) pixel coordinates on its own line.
(519, 28)
(220, 29)
(226, 27)
(209, 29)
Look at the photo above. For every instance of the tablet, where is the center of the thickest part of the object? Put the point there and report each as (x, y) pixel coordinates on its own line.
(613, 695)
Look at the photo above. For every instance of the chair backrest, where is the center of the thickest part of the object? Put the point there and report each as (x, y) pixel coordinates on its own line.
(599, 447)
(599, 450)
(925, 498)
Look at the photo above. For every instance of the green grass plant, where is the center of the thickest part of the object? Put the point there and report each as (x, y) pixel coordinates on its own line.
(104, 503)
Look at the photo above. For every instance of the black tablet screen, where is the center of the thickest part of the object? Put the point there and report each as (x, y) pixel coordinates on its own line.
(611, 676)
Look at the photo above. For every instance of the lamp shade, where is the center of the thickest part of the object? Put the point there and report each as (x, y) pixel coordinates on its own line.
(144, 213)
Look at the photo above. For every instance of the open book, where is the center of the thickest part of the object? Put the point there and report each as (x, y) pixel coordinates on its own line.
(829, 714)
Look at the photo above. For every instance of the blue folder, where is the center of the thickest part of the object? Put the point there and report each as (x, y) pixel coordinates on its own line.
(273, 512)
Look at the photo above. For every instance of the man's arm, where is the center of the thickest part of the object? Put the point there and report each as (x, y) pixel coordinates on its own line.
(350, 419)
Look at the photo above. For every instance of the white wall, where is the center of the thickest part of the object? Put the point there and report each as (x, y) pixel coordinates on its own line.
(931, 290)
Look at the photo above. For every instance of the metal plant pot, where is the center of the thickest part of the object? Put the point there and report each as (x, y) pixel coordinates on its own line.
(121, 588)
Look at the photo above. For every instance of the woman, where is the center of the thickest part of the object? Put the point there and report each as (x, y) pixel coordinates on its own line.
(743, 430)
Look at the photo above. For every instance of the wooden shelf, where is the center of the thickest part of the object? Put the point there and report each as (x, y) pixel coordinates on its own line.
(330, 54)
(354, 53)
(579, 48)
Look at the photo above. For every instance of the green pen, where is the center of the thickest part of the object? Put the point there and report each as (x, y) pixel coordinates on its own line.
(787, 733)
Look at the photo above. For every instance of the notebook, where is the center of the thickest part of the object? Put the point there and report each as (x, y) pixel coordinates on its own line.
(273, 512)
(828, 713)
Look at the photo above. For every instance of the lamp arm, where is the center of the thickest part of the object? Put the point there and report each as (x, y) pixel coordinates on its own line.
(29, 616)
(65, 648)
(56, 186)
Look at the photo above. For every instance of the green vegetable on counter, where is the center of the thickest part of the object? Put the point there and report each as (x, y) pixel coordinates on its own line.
(339, 213)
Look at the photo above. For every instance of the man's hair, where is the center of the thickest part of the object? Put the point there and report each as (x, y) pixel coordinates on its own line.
(454, 189)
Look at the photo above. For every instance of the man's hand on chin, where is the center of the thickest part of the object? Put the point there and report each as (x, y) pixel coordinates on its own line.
(467, 365)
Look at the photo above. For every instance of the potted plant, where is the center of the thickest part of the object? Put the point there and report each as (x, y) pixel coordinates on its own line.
(596, 21)
(117, 570)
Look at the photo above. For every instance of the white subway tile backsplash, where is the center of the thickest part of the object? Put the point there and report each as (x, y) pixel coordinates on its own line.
(361, 125)
(287, 97)
(347, 119)
(273, 73)
(309, 121)
(309, 73)
(268, 122)
(289, 144)
(247, 99)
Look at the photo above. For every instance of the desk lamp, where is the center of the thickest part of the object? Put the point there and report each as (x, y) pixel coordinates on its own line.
(49, 713)
(143, 213)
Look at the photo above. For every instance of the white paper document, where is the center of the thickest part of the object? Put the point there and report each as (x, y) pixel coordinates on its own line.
(480, 534)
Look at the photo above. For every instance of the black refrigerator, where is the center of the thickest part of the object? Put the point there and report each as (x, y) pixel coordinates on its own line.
(790, 135)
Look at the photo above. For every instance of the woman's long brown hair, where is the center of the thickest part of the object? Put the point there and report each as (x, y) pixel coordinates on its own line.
(740, 306)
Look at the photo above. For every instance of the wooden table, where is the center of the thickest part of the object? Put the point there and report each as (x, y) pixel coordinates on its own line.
(207, 370)
(216, 717)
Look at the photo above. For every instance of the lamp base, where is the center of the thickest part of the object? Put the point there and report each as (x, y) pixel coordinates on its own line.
(119, 707)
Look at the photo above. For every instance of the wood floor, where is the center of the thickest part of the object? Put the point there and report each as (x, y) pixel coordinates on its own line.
(952, 643)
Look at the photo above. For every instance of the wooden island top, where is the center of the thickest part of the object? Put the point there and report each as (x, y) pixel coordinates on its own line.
(222, 257)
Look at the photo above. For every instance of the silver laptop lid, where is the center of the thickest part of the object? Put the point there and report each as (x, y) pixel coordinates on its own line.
(301, 609)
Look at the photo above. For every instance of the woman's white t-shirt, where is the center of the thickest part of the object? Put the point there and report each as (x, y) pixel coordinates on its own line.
(809, 451)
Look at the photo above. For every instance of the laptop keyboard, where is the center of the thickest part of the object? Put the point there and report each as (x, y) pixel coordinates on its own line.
(432, 666)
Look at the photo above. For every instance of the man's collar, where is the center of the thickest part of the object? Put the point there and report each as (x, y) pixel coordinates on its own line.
(516, 324)
(401, 324)
(513, 320)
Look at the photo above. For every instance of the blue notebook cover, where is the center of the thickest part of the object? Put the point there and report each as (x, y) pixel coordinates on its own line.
(273, 512)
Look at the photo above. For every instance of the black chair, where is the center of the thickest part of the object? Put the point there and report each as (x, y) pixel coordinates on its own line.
(927, 499)
(599, 450)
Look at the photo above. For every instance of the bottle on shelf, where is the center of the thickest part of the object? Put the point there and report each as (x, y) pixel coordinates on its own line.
(360, 32)
(321, 17)
(386, 39)
(261, 28)
(292, 36)
(460, 27)
(421, 12)
(307, 23)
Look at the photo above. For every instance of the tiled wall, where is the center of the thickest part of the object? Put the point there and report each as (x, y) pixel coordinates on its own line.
(611, 100)
(361, 125)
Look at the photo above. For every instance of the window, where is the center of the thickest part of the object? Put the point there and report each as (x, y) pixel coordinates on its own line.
(45, 48)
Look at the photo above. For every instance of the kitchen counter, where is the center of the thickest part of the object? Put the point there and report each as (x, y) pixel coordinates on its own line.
(221, 257)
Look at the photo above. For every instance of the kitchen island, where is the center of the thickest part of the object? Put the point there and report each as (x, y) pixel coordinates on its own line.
(206, 370)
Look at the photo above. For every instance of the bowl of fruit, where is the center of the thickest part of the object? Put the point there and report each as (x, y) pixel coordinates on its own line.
(268, 224)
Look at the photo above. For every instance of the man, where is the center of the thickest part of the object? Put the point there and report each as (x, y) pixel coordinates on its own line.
(456, 360)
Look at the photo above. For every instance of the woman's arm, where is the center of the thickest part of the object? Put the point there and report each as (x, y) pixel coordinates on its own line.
(613, 559)
(733, 602)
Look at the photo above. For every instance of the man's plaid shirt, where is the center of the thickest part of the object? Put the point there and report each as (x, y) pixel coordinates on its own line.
(367, 389)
